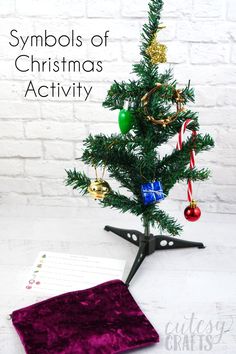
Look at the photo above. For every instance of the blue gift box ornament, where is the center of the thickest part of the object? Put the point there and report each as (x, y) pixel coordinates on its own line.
(152, 192)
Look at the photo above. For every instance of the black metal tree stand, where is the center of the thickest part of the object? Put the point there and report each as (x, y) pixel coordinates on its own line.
(148, 244)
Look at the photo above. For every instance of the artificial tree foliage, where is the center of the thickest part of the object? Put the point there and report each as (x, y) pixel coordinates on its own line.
(133, 158)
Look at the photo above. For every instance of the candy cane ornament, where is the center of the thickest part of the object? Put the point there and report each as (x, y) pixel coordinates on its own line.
(192, 212)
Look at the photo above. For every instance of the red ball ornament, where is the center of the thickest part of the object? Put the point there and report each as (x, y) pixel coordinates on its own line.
(192, 212)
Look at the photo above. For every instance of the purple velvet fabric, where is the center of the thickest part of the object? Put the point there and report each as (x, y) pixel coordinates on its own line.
(102, 320)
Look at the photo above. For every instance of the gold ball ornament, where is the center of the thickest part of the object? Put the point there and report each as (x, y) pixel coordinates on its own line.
(98, 189)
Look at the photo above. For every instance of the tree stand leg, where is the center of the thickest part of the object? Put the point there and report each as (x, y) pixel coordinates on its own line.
(137, 262)
(148, 244)
(132, 236)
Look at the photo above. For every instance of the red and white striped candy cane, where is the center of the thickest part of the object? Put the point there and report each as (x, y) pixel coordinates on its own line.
(192, 154)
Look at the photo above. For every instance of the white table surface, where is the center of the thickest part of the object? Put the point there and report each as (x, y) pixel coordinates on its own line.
(169, 287)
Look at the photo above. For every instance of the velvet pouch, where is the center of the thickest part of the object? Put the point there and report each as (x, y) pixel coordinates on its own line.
(104, 319)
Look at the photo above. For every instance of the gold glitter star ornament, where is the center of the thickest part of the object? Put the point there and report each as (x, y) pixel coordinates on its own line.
(157, 51)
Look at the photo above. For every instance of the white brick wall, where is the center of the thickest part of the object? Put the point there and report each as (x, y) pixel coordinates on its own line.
(39, 139)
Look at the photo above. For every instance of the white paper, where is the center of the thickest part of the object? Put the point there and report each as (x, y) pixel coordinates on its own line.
(56, 273)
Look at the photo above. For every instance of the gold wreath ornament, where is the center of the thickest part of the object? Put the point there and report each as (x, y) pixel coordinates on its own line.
(170, 119)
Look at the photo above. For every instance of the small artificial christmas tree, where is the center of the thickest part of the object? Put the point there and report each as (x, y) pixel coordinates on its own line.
(152, 111)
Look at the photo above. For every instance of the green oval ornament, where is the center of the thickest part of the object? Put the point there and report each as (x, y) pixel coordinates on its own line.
(125, 121)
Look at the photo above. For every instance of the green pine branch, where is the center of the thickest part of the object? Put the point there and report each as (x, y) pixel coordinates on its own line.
(101, 150)
(173, 168)
(77, 180)
(122, 203)
(151, 214)
(181, 157)
(121, 92)
(158, 218)
(146, 71)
